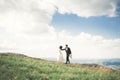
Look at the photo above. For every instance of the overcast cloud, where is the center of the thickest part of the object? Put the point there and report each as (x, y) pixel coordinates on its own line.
(88, 8)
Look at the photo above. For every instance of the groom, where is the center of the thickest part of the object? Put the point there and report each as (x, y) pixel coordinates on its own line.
(68, 52)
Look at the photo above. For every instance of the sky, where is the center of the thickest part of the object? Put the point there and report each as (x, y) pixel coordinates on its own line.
(37, 28)
(107, 27)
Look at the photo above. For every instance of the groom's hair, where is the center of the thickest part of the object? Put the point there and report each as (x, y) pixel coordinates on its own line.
(66, 45)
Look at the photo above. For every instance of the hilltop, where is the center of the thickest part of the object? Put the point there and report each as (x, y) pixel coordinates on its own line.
(22, 67)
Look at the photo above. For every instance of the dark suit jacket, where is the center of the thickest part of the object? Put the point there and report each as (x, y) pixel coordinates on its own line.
(68, 51)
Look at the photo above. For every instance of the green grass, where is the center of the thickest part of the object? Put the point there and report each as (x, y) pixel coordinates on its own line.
(19, 67)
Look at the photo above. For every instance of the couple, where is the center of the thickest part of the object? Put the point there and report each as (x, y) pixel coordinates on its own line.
(68, 54)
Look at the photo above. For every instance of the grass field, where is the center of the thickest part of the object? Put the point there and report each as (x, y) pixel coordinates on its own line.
(20, 67)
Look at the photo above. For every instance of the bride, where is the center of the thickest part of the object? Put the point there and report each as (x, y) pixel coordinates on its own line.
(60, 56)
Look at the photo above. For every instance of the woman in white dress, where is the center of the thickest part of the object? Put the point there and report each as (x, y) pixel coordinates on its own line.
(60, 56)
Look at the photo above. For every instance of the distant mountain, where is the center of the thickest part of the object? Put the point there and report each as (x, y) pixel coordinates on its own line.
(113, 63)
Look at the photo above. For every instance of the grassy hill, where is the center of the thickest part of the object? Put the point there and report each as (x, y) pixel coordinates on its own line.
(21, 67)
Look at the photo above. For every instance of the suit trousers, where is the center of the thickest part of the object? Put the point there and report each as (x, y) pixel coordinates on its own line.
(67, 58)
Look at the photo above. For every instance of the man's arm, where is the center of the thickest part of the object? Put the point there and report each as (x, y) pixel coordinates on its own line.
(63, 49)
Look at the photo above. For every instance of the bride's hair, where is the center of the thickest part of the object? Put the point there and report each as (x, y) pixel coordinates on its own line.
(60, 47)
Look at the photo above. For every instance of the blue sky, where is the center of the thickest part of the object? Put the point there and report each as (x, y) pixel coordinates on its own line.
(37, 28)
(108, 27)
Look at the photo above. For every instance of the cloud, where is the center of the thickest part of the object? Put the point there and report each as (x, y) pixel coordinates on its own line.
(87, 8)
(99, 46)
(90, 46)
(24, 25)
(24, 28)
(26, 16)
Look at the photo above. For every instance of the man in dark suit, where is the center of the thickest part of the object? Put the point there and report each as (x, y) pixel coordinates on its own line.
(68, 52)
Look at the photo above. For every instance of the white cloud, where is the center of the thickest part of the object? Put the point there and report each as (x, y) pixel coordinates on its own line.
(24, 25)
(26, 16)
(24, 28)
(97, 47)
(87, 46)
(87, 8)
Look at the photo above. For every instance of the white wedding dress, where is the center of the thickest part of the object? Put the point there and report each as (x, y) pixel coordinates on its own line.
(60, 57)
